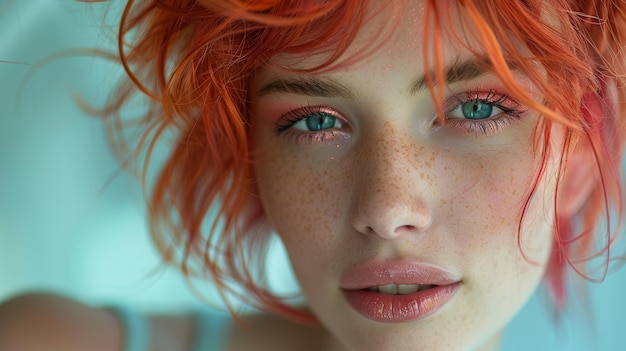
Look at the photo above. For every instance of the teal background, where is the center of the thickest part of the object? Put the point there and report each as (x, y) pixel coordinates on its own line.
(69, 222)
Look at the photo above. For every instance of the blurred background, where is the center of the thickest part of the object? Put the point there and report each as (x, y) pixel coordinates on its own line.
(72, 224)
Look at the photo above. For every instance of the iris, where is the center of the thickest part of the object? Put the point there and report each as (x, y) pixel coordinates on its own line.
(477, 110)
(320, 121)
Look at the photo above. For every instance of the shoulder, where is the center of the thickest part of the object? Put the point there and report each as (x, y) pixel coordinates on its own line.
(267, 332)
(39, 321)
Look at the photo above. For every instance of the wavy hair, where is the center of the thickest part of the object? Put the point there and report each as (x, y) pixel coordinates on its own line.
(193, 61)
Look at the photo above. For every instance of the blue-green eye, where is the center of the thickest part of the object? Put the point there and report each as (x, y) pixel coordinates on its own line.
(316, 122)
(482, 112)
(476, 109)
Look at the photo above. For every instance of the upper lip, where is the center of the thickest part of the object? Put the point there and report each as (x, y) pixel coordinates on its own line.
(375, 273)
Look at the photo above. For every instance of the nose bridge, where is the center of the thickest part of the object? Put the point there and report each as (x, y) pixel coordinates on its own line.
(390, 200)
(389, 160)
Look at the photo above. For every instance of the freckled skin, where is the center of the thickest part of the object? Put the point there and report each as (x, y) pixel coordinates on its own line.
(388, 187)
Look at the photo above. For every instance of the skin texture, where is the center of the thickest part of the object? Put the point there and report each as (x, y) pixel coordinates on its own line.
(388, 183)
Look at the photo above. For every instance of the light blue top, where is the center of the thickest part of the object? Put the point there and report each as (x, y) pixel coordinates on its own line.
(210, 330)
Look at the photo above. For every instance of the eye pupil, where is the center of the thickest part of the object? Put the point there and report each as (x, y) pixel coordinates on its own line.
(477, 110)
(319, 122)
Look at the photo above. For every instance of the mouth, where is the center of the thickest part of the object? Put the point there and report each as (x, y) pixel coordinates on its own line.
(398, 292)
(399, 289)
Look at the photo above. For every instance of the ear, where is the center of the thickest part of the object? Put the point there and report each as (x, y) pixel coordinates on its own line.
(577, 181)
(581, 173)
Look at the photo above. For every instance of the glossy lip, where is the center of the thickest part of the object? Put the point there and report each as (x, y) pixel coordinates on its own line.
(396, 272)
(398, 308)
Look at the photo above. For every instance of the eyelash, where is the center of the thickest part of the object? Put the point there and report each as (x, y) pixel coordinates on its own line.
(511, 112)
(295, 115)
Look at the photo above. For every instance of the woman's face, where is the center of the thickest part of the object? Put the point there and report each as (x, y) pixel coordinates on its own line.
(374, 199)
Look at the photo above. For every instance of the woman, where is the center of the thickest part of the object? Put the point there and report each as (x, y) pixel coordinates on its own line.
(426, 164)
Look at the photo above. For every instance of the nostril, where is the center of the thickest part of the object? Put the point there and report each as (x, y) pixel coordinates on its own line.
(369, 230)
(405, 228)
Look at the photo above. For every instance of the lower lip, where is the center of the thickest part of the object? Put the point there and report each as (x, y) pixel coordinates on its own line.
(400, 308)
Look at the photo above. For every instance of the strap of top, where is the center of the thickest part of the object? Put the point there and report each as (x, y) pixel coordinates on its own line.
(136, 329)
(211, 331)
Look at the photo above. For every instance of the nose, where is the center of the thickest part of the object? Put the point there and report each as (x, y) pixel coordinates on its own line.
(389, 200)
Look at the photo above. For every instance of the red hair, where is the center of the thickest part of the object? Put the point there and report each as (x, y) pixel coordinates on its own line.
(194, 59)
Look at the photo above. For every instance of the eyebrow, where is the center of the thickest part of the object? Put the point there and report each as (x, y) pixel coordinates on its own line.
(326, 87)
(455, 72)
(309, 86)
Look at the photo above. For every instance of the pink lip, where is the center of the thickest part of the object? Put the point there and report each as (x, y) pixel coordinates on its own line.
(396, 272)
(398, 308)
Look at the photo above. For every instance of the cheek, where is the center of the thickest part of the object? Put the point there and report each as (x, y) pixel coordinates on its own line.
(508, 264)
(484, 193)
(485, 219)
(301, 201)
(502, 267)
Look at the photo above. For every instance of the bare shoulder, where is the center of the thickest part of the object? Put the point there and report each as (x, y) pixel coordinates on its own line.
(46, 322)
(266, 332)
(40, 321)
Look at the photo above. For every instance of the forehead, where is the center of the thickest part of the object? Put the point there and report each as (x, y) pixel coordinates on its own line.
(399, 32)
(397, 36)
